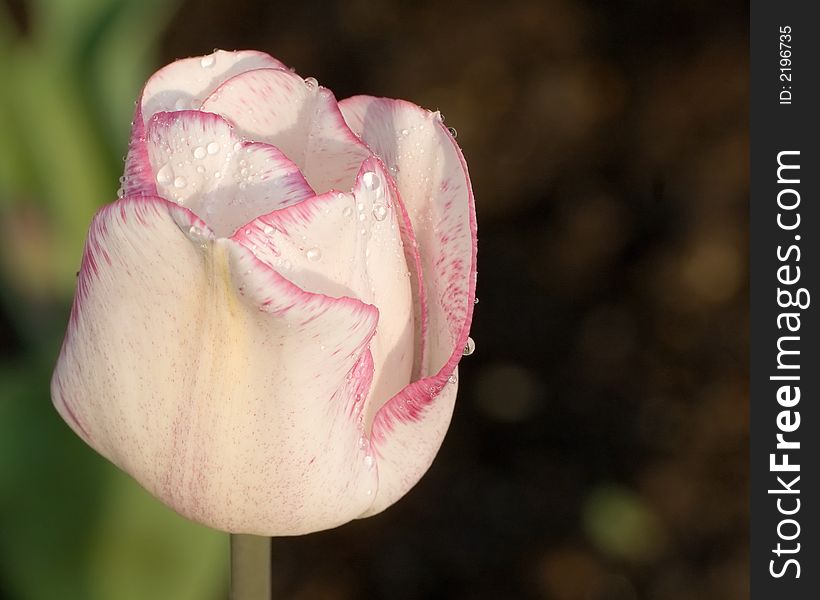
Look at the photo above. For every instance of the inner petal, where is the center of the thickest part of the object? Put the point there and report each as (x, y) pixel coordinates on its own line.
(349, 244)
(297, 116)
(199, 162)
(185, 83)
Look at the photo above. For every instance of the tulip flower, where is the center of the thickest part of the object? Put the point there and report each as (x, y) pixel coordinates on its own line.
(268, 320)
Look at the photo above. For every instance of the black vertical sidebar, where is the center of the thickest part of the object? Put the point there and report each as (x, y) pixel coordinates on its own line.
(784, 273)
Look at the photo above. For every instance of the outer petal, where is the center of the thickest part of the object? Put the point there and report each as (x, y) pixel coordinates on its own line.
(181, 85)
(349, 245)
(201, 163)
(297, 116)
(197, 369)
(434, 184)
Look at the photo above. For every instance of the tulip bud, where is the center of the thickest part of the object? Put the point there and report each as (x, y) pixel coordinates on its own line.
(267, 321)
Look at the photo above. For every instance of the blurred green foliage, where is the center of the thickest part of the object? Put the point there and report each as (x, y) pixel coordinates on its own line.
(71, 525)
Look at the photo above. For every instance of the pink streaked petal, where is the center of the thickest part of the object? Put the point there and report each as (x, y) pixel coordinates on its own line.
(181, 85)
(201, 163)
(301, 119)
(434, 184)
(350, 245)
(197, 369)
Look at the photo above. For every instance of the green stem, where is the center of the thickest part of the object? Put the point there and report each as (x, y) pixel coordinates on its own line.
(250, 567)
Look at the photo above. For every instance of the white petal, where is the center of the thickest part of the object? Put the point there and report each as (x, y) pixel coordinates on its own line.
(201, 163)
(185, 83)
(349, 245)
(434, 185)
(198, 370)
(178, 86)
(301, 119)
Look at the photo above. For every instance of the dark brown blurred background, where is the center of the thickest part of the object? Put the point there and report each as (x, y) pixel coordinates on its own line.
(598, 447)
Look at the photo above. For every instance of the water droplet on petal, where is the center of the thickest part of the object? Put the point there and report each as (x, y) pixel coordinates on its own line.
(371, 181)
(470, 347)
(311, 82)
(348, 211)
(404, 132)
(453, 131)
(476, 300)
(362, 443)
(212, 147)
(379, 212)
(453, 378)
(313, 254)
(369, 461)
(362, 217)
(180, 183)
(268, 229)
(165, 174)
(199, 152)
(206, 62)
(200, 169)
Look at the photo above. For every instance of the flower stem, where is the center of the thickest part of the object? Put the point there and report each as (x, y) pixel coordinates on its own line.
(250, 567)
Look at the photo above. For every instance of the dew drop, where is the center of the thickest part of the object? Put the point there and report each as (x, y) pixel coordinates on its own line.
(206, 62)
(348, 211)
(165, 174)
(268, 230)
(199, 152)
(453, 131)
(476, 300)
(242, 185)
(311, 82)
(200, 169)
(180, 183)
(217, 175)
(371, 181)
(470, 347)
(369, 461)
(405, 132)
(237, 146)
(313, 254)
(212, 147)
(453, 378)
(379, 212)
(362, 443)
